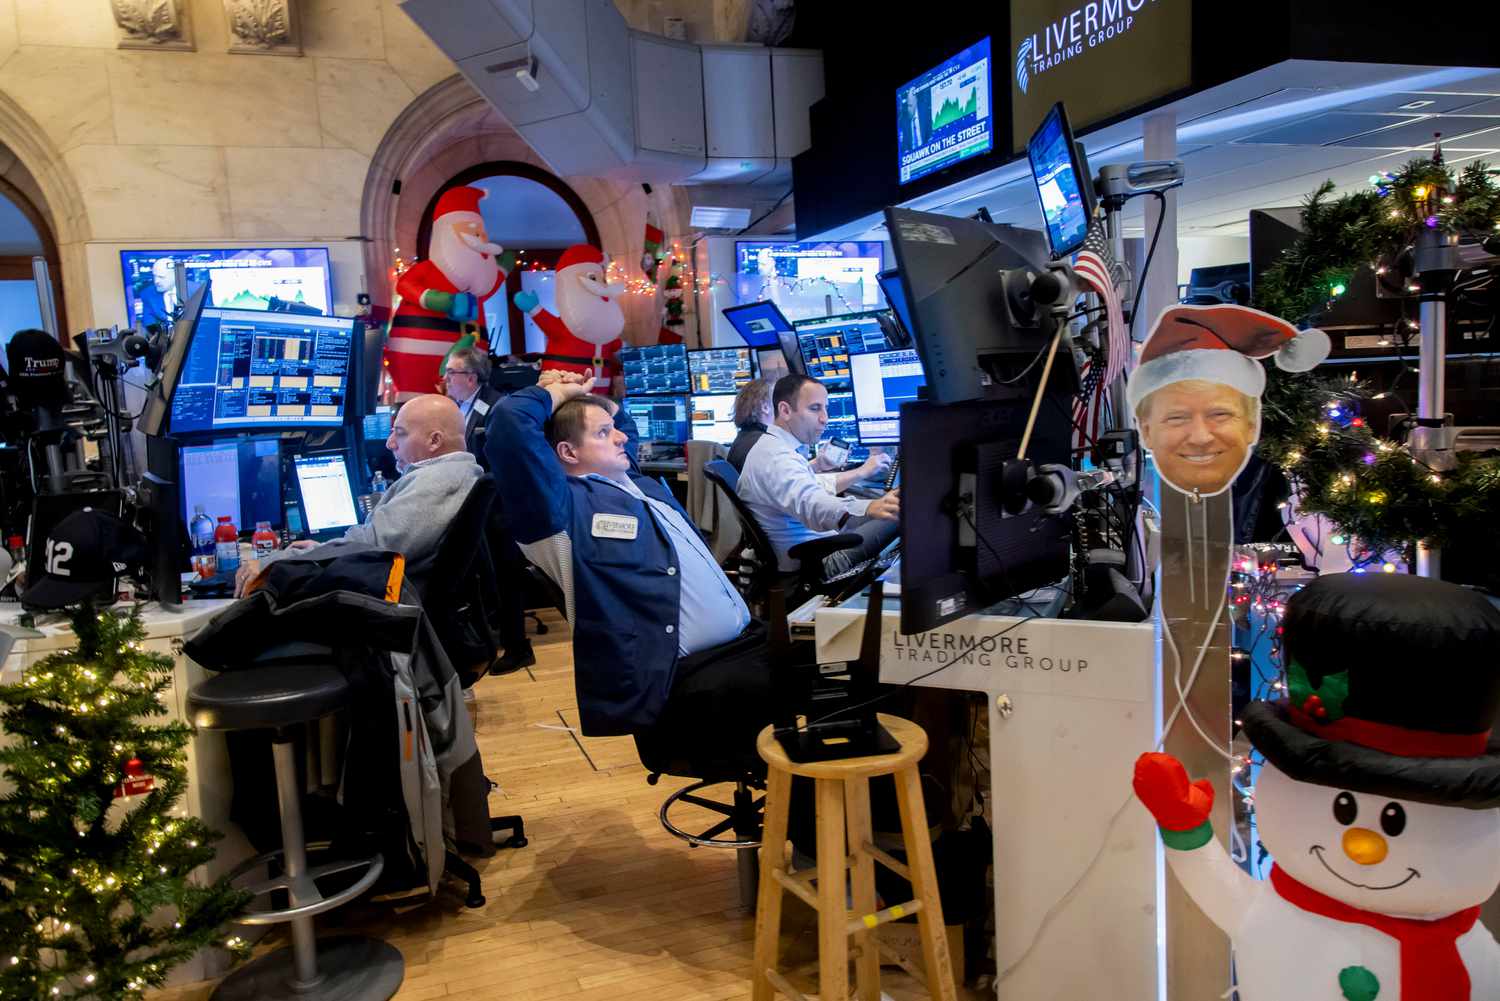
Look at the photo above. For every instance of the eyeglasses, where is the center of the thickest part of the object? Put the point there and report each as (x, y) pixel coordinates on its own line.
(459, 371)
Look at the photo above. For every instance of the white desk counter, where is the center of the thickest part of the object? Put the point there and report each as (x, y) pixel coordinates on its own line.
(1080, 702)
(209, 787)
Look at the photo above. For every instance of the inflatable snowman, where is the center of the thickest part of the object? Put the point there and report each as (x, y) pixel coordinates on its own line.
(1379, 800)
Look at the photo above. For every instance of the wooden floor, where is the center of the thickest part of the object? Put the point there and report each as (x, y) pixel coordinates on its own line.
(603, 903)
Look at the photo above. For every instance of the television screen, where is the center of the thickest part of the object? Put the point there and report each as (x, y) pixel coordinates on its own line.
(237, 279)
(943, 116)
(1062, 183)
(799, 277)
(245, 369)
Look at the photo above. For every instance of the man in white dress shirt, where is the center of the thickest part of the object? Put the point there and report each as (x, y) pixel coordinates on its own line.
(793, 502)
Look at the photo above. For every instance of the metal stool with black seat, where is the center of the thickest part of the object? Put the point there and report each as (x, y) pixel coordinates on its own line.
(282, 697)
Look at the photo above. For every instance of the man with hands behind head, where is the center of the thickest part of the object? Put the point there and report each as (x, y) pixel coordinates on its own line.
(795, 501)
(653, 616)
(437, 473)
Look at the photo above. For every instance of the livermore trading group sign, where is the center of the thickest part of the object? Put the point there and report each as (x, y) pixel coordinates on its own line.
(1101, 58)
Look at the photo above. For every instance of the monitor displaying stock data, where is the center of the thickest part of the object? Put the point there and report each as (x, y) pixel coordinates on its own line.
(655, 369)
(720, 370)
(662, 419)
(827, 342)
(713, 418)
(883, 380)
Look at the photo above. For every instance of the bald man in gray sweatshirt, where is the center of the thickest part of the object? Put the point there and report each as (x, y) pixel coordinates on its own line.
(410, 518)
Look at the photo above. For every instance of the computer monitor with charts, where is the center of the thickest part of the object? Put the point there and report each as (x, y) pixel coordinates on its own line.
(826, 342)
(661, 419)
(655, 369)
(719, 370)
(247, 368)
(713, 418)
(327, 497)
(883, 380)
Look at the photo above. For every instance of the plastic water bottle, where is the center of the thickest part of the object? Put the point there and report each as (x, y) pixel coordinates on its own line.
(226, 546)
(201, 531)
(377, 483)
(264, 540)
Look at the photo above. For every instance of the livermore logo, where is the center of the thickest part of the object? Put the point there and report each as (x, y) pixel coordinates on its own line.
(1087, 27)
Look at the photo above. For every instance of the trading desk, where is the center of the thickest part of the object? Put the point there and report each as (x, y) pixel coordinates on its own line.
(1078, 875)
(209, 785)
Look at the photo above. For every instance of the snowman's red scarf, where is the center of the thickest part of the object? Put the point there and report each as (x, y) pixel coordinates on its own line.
(1431, 968)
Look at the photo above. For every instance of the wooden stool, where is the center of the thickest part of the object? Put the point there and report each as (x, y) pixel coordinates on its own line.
(843, 801)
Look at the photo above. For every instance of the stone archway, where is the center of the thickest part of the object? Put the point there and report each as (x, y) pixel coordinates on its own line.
(32, 169)
(451, 128)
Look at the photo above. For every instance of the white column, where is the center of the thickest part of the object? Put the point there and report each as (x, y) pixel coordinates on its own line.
(1160, 134)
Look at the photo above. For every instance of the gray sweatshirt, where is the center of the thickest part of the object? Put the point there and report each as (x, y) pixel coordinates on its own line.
(411, 517)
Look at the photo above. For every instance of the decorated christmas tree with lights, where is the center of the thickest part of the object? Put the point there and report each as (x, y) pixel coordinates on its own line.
(95, 858)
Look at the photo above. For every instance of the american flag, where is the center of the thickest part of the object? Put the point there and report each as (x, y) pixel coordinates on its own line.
(1097, 268)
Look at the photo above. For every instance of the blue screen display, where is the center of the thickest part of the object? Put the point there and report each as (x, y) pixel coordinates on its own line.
(246, 369)
(882, 382)
(237, 279)
(759, 323)
(843, 424)
(661, 418)
(828, 341)
(1064, 207)
(943, 116)
(655, 369)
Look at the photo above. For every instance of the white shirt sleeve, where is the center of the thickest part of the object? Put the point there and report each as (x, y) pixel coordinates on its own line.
(776, 475)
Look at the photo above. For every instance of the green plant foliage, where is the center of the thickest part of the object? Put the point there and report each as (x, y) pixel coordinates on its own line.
(96, 899)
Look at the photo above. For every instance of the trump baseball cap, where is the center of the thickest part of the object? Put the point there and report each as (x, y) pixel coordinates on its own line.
(84, 555)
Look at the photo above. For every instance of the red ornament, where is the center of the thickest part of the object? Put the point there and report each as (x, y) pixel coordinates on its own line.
(1358, 422)
(137, 782)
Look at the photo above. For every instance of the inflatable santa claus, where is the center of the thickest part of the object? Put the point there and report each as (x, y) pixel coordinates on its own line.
(587, 334)
(439, 297)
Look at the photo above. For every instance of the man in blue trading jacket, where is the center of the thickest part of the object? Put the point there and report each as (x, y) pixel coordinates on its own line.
(654, 618)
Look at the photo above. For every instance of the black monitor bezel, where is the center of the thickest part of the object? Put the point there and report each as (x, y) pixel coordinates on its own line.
(338, 530)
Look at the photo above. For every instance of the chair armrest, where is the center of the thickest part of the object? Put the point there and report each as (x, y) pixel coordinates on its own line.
(814, 550)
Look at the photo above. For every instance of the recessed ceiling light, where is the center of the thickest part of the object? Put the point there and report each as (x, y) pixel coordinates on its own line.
(1414, 105)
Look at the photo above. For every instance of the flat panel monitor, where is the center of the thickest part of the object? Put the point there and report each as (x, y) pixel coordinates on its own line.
(719, 370)
(237, 278)
(240, 477)
(712, 417)
(964, 326)
(1062, 182)
(248, 369)
(377, 426)
(771, 364)
(662, 419)
(761, 324)
(159, 400)
(943, 116)
(655, 369)
(324, 484)
(883, 381)
(842, 423)
(895, 294)
(800, 276)
(826, 342)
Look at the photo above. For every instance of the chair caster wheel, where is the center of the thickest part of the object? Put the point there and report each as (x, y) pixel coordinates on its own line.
(518, 842)
(474, 900)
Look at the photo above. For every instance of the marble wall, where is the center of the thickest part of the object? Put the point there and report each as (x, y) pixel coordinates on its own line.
(131, 148)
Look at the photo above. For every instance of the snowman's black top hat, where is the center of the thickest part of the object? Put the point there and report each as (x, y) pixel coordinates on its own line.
(1394, 688)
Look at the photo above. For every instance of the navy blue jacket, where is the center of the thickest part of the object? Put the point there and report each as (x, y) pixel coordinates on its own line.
(623, 595)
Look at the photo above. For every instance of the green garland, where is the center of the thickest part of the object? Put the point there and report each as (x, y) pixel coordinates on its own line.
(1372, 489)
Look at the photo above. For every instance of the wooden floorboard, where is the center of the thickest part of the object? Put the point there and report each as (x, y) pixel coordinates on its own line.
(602, 904)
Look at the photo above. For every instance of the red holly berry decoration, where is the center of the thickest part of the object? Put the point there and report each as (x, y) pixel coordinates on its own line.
(1313, 706)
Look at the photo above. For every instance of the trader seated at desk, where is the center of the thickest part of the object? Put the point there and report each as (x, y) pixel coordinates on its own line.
(752, 415)
(437, 473)
(793, 502)
(654, 618)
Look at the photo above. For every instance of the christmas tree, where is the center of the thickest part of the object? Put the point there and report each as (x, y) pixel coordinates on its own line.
(96, 902)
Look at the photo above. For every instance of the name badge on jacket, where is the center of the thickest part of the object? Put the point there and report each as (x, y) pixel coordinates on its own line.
(481, 408)
(614, 526)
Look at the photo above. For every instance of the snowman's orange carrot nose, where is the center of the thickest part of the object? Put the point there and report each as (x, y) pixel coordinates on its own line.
(1365, 846)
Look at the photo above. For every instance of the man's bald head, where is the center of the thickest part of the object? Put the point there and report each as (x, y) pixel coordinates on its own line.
(426, 427)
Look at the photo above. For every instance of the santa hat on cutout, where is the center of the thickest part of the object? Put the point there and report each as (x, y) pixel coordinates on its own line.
(580, 253)
(1221, 344)
(463, 199)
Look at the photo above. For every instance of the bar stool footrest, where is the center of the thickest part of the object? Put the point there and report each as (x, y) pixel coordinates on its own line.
(375, 864)
(350, 968)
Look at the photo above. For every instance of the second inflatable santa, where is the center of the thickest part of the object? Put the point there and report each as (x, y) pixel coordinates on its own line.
(587, 334)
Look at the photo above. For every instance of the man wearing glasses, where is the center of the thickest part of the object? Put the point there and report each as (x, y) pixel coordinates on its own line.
(467, 383)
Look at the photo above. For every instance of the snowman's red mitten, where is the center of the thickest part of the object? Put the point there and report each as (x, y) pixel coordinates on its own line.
(1181, 808)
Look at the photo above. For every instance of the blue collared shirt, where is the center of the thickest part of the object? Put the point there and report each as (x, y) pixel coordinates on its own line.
(711, 611)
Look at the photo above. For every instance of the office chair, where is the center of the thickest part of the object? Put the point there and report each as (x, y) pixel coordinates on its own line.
(757, 573)
(458, 589)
